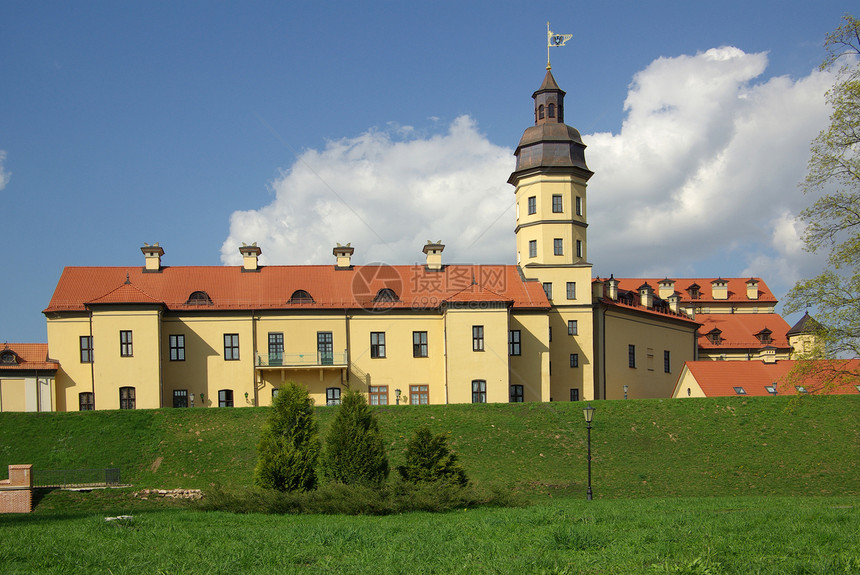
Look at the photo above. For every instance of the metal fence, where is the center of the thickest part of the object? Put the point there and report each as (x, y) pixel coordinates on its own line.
(75, 477)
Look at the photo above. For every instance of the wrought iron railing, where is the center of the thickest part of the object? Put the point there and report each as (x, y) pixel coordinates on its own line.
(75, 477)
(312, 359)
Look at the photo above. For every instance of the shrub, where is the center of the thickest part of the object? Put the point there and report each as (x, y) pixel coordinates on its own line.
(289, 445)
(354, 452)
(428, 459)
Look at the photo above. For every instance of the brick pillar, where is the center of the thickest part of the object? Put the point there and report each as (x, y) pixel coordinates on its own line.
(16, 493)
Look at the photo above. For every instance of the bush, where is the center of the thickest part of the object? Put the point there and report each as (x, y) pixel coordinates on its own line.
(428, 459)
(354, 451)
(289, 445)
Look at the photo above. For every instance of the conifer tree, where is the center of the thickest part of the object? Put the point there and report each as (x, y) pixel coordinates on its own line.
(354, 452)
(429, 459)
(289, 445)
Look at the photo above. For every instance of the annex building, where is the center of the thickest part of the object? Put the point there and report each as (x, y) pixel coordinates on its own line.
(153, 335)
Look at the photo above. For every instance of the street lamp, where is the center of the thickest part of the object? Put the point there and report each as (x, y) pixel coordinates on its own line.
(588, 411)
(397, 395)
(625, 392)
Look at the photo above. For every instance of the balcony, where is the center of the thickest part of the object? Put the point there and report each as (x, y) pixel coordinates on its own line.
(300, 360)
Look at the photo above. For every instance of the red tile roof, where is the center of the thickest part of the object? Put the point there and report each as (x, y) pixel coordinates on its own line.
(737, 289)
(230, 287)
(739, 329)
(29, 357)
(636, 305)
(719, 378)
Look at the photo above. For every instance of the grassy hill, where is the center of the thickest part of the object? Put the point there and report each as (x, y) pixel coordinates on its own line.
(641, 448)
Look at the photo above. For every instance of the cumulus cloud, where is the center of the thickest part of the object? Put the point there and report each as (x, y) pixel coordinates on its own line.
(704, 170)
(4, 175)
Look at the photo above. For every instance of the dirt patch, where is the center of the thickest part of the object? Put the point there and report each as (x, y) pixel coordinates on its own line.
(156, 464)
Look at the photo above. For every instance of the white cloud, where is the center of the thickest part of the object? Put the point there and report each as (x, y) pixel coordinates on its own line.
(703, 171)
(4, 175)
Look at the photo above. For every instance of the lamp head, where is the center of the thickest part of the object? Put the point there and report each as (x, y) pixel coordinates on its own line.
(588, 412)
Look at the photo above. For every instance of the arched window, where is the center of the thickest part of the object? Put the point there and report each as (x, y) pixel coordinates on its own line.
(199, 298)
(540, 112)
(551, 110)
(8, 358)
(386, 295)
(301, 296)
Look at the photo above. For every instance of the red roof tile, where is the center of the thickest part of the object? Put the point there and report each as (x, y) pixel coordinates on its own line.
(719, 378)
(737, 289)
(29, 356)
(230, 287)
(636, 305)
(739, 329)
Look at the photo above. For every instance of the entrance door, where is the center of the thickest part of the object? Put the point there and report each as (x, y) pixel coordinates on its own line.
(276, 348)
(325, 349)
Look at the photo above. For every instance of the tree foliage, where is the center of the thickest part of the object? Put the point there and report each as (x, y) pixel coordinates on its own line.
(354, 453)
(289, 445)
(833, 220)
(429, 459)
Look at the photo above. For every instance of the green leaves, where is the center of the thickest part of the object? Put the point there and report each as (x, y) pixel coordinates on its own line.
(428, 459)
(354, 452)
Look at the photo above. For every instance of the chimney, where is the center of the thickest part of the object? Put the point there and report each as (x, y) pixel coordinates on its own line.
(666, 288)
(343, 255)
(674, 302)
(612, 288)
(646, 295)
(720, 289)
(752, 288)
(434, 255)
(768, 354)
(249, 257)
(153, 254)
(598, 289)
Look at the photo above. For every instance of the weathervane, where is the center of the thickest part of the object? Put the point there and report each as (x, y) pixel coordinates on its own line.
(554, 40)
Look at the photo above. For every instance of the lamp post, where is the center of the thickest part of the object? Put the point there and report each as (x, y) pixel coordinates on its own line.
(625, 392)
(588, 411)
(397, 395)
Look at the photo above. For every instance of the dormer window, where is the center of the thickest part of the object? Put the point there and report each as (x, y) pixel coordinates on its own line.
(386, 295)
(551, 110)
(764, 336)
(715, 336)
(8, 358)
(694, 292)
(301, 296)
(199, 298)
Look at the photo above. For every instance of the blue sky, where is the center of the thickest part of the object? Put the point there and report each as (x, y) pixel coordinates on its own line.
(202, 124)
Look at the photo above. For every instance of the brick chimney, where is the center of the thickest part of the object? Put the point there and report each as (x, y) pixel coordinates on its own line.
(343, 255)
(249, 257)
(434, 255)
(153, 254)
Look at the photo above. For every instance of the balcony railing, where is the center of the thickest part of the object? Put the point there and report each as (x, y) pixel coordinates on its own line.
(313, 359)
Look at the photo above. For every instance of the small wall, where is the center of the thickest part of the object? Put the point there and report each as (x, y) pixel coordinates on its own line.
(16, 493)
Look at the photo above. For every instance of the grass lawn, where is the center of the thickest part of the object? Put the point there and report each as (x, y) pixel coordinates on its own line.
(720, 535)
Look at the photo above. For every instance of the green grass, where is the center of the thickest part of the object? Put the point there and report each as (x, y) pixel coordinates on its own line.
(718, 535)
(641, 448)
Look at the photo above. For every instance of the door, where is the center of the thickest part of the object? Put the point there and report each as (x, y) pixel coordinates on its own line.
(325, 349)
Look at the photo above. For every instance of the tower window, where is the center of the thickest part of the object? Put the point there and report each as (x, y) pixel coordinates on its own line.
(579, 248)
(551, 110)
(557, 205)
(532, 248)
(558, 247)
(578, 206)
(532, 205)
(571, 290)
(540, 112)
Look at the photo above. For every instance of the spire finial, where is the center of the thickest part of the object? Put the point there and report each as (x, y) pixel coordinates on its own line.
(127, 280)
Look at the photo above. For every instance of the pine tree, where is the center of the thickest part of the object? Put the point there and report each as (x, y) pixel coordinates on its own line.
(354, 451)
(289, 445)
(428, 459)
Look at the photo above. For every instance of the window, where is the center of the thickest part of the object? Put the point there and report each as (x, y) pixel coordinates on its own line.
(86, 349)
(571, 290)
(649, 358)
(378, 395)
(477, 338)
(180, 398)
(715, 336)
(177, 347)
(419, 344)
(540, 112)
(572, 327)
(332, 396)
(479, 391)
(231, 347)
(558, 246)
(547, 288)
(225, 398)
(386, 295)
(764, 336)
(276, 348)
(550, 333)
(631, 356)
(579, 248)
(532, 205)
(574, 394)
(574, 360)
(275, 391)
(532, 248)
(771, 389)
(325, 347)
(86, 401)
(8, 358)
(125, 349)
(740, 390)
(800, 389)
(377, 344)
(578, 206)
(516, 394)
(419, 394)
(551, 110)
(667, 363)
(514, 342)
(301, 296)
(557, 205)
(126, 398)
(199, 298)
